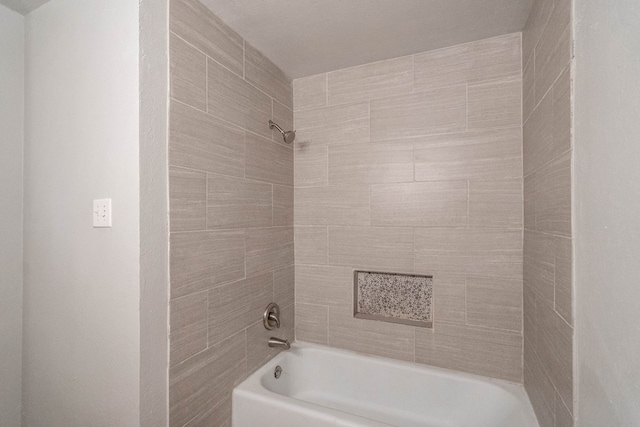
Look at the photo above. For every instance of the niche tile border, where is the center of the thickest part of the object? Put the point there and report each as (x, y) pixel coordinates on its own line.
(393, 297)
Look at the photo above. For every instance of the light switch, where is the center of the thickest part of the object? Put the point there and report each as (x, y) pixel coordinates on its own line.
(102, 213)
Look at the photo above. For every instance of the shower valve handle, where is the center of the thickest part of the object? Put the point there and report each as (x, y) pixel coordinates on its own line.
(271, 317)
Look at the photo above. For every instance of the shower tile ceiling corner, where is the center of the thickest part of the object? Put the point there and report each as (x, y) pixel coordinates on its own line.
(306, 37)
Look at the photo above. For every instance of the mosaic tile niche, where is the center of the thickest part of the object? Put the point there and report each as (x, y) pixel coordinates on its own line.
(393, 297)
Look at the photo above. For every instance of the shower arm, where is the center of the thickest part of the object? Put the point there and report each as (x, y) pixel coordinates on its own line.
(273, 124)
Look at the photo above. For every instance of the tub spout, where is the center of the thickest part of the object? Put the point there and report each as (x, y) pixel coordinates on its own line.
(279, 342)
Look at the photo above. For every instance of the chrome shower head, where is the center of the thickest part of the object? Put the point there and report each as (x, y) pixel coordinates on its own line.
(288, 136)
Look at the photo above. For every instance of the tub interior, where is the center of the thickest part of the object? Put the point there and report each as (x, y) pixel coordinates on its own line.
(394, 393)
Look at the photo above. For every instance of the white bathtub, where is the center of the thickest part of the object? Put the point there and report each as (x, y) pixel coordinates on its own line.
(321, 386)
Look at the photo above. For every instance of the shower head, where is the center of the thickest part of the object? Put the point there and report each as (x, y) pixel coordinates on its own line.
(288, 136)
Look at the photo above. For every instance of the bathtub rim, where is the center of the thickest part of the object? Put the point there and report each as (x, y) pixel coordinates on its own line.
(253, 385)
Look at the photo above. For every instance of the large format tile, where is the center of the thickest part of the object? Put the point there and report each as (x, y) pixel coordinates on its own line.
(199, 383)
(282, 205)
(365, 336)
(284, 285)
(471, 252)
(338, 124)
(311, 244)
(553, 52)
(200, 141)
(188, 326)
(268, 161)
(335, 205)
(310, 92)
(539, 264)
(539, 388)
(187, 199)
(487, 154)
(235, 306)
(449, 299)
(547, 133)
(474, 62)
(268, 249)
(195, 23)
(218, 415)
(494, 303)
(495, 104)
(529, 301)
(554, 347)
(312, 323)
(311, 166)
(528, 88)
(488, 352)
(371, 162)
(233, 99)
(563, 415)
(536, 23)
(324, 285)
(553, 197)
(266, 76)
(529, 205)
(370, 81)
(188, 73)
(495, 204)
(420, 204)
(564, 278)
(201, 260)
(238, 203)
(376, 248)
(436, 111)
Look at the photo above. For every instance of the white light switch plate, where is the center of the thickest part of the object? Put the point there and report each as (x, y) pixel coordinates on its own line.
(102, 213)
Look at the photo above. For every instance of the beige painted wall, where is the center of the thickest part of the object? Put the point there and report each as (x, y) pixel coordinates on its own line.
(11, 170)
(548, 294)
(231, 212)
(607, 189)
(414, 165)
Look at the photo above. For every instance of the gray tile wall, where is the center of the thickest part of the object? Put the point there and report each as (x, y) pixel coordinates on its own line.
(548, 308)
(231, 212)
(414, 165)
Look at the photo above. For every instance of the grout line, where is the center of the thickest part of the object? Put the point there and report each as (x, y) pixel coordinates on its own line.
(547, 163)
(235, 126)
(205, 54)
(551, 87)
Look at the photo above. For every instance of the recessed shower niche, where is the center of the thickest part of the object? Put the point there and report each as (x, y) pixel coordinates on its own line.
(393, 297)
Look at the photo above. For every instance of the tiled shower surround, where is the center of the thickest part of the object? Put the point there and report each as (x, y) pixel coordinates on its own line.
(231, 212)
(411, 165)
(414, 165)
(547, 107)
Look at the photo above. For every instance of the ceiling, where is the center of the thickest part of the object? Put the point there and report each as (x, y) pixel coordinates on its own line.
(23, 6)
(306, 37)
